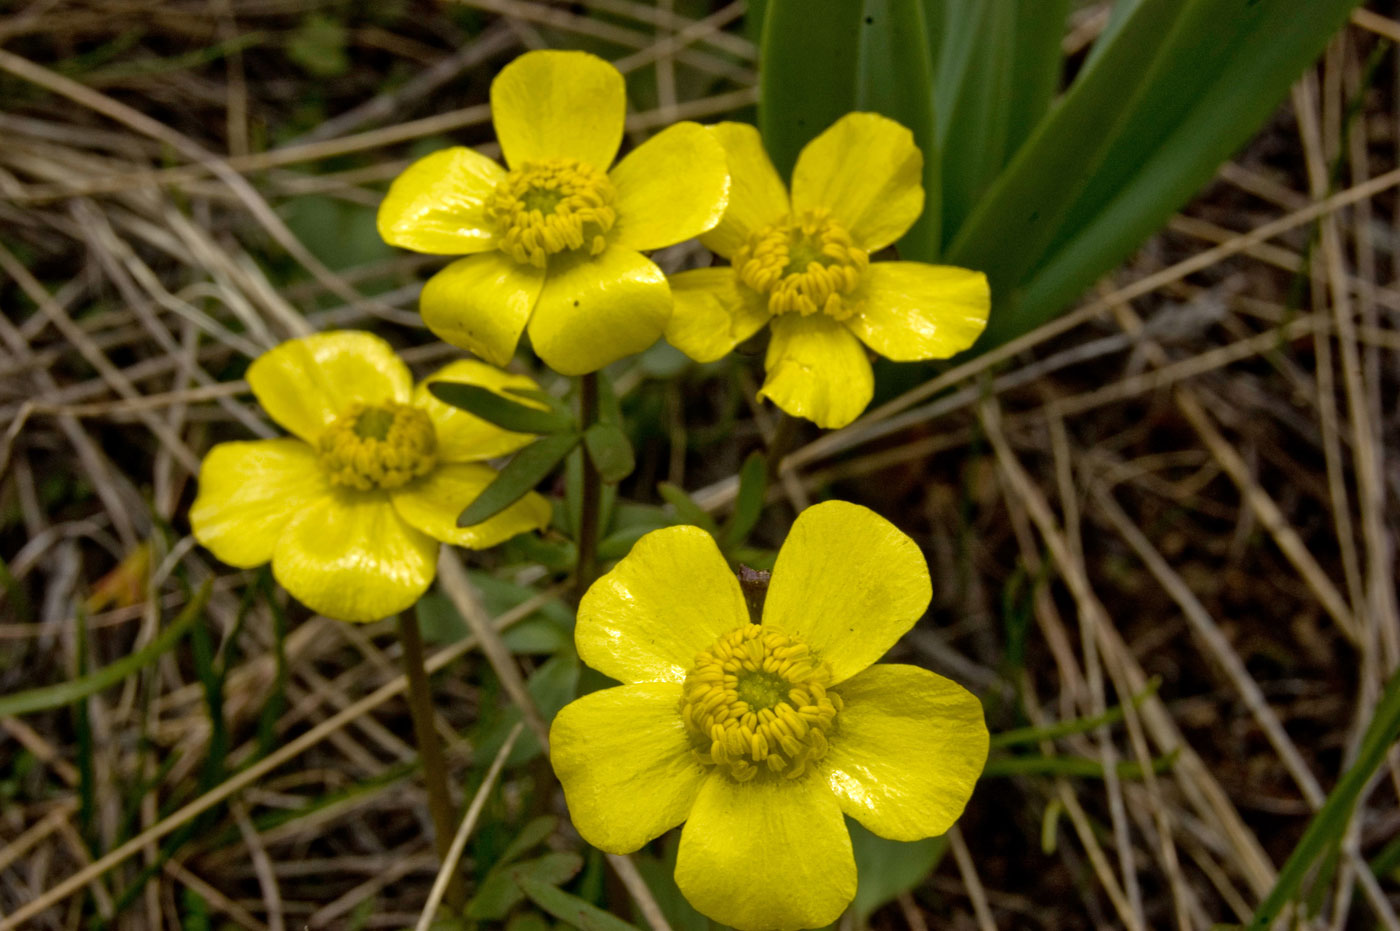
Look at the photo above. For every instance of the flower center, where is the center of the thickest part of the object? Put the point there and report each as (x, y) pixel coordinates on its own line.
(805, 264)
(378, 446)
(757, 702)
(546, 207)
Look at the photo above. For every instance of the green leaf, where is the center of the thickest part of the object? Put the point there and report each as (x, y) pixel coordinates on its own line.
(887, 868)
(610, 451)
(318, 46)
(500, 891)
(572, 909)
(874, 55)
(66, 693)
(687, 511)
(748, 503)
(520, 475)
(1330, 822)
(499, 410)
(1173, 91)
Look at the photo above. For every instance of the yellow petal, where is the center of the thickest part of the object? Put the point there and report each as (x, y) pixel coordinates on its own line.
(248, 492)
(596, 309)
(670, 188)
(757, 197)
(848, 583)
(767, 854)
(552, 104)
(433, 503)
(713, 313)
(910, 749)
(868, 172)
(464, 437)
(481, 303)
(911, 311)
(306, 383)
(438, 204)
(668, 599)
(624, 761)
(350, 556)
(817, 369)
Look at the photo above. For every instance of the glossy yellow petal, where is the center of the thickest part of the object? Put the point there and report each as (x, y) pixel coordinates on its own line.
(668, 599)
(248, 492)
(868, 172)
(596, 309)
(306, 383)
(464, 437)
(910, 749)
(438, 204)
(624, 761)
(767, 855)
(433, 503)
(817, 369)
(350, 556)
(713, 313)
(552, 104)
(911, 311)
(481, 303)
(671, 188)
(757, 196)
(847, 582)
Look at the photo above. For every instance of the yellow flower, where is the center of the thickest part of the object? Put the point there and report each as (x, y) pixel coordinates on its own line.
(803, 262)
(352, 509)
(761, 737)
(556, 241)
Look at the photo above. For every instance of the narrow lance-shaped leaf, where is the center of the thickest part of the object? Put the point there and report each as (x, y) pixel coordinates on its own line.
(748, 503)
(572, 909)
(524, 471)
(610, 451)
(504, 413)
(687, 511)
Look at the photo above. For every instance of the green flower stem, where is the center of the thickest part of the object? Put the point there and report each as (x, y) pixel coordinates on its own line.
(587, 565)
(420, 705)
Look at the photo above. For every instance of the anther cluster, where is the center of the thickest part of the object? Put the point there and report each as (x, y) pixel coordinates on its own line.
(805, 264)
(550, 206)
(757, 703)
(378, 446)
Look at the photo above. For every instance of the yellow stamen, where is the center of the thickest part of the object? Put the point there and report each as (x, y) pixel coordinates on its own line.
(759, 697)
(551, 206)
(378, 446)
(805, 264)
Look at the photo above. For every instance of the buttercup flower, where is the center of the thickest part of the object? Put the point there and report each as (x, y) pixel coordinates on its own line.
(761, 736)
(351, 509)
(803, 263)
(555, 241)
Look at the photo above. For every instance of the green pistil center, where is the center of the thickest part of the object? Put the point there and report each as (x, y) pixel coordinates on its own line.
(542, 199)
(373, 423)
(762, 689)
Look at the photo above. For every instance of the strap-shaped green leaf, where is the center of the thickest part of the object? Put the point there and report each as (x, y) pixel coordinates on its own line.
(1172, 91)
(572, 909)
(610, 451)
(748, 503)
(501, 411)
(687, 511)
(520, 475)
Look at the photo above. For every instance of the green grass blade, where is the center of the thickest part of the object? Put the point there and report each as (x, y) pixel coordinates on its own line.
(1328, 825)
(65, 693)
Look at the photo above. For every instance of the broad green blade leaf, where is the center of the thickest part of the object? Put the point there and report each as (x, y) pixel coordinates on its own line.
(610, 451)
(748, 504)
(822, 63)
(572, 909)
(66, 693)
(687, 511)
(808, 77)
(1171, 93)
(520, 475)
(887, 868)
(894, 76)
(504, 413)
